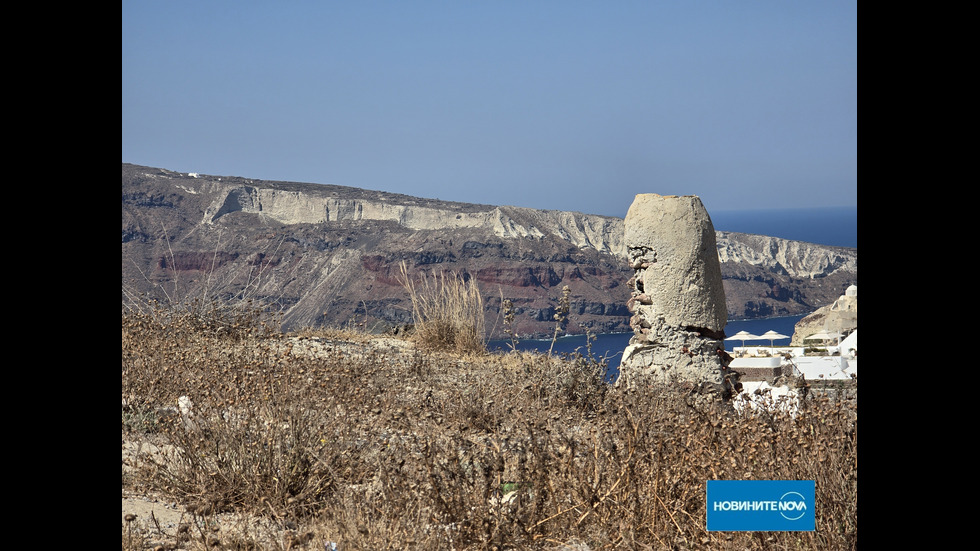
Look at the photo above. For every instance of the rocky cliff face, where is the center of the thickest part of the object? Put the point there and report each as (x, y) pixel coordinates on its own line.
(293, 207)
(839, 317)
(329, 255)
(770, 277)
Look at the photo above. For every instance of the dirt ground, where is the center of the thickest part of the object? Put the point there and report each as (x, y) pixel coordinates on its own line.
(146, 508)
(154, 519)
(158, 522)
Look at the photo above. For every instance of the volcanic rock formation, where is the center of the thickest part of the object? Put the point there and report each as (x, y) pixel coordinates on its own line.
(839, 317)
(328, 255)
(678, 301)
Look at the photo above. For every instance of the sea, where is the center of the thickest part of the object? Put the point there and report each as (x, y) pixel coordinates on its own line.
(836, 226)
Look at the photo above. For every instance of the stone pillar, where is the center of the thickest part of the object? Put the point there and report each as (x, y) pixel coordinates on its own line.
(678, 301)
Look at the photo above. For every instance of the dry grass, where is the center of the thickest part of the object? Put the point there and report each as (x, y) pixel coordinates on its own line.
(434, 450)
(448, 311)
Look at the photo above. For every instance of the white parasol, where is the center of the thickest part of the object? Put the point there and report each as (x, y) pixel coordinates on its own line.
(743, 336)
(772, 336)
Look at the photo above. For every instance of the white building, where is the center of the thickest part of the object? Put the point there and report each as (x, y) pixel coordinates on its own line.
(840, 363)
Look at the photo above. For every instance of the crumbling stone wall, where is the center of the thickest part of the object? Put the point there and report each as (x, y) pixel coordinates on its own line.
(677, 298)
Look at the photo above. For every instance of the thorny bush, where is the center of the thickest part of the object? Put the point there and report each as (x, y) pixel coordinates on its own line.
(424, 450)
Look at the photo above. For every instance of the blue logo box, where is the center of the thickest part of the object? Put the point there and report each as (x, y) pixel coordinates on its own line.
(761, 505)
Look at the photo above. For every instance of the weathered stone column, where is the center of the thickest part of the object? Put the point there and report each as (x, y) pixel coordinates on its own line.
(678, 301)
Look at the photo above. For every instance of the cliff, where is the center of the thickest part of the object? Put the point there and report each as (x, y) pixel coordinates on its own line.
(769, 277)
(839, 317)
(329, 255)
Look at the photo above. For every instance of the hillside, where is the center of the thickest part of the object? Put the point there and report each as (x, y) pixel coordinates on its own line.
(326, 255)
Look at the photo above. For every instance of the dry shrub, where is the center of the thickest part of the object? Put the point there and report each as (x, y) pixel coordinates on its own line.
(448, 311)
(441, 451)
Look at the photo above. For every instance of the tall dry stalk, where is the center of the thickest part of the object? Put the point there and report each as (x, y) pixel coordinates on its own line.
(448, 311)
(561, 315)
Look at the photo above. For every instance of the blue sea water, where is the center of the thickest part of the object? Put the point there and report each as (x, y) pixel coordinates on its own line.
(610, 345)
(835, 226)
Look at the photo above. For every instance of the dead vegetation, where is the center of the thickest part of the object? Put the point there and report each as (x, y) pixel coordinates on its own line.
(421, 448)
(447, 309)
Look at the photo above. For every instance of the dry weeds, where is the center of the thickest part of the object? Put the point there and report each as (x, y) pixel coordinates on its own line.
(435, 450)
(447, 309)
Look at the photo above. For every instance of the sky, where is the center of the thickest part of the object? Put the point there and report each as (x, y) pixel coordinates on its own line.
(549, 104)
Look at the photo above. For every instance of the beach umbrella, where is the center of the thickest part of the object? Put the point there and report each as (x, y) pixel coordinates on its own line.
(772, 335)
(743, 336)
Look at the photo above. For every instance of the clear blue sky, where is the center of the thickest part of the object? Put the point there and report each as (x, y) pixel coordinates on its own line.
(563, 104)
